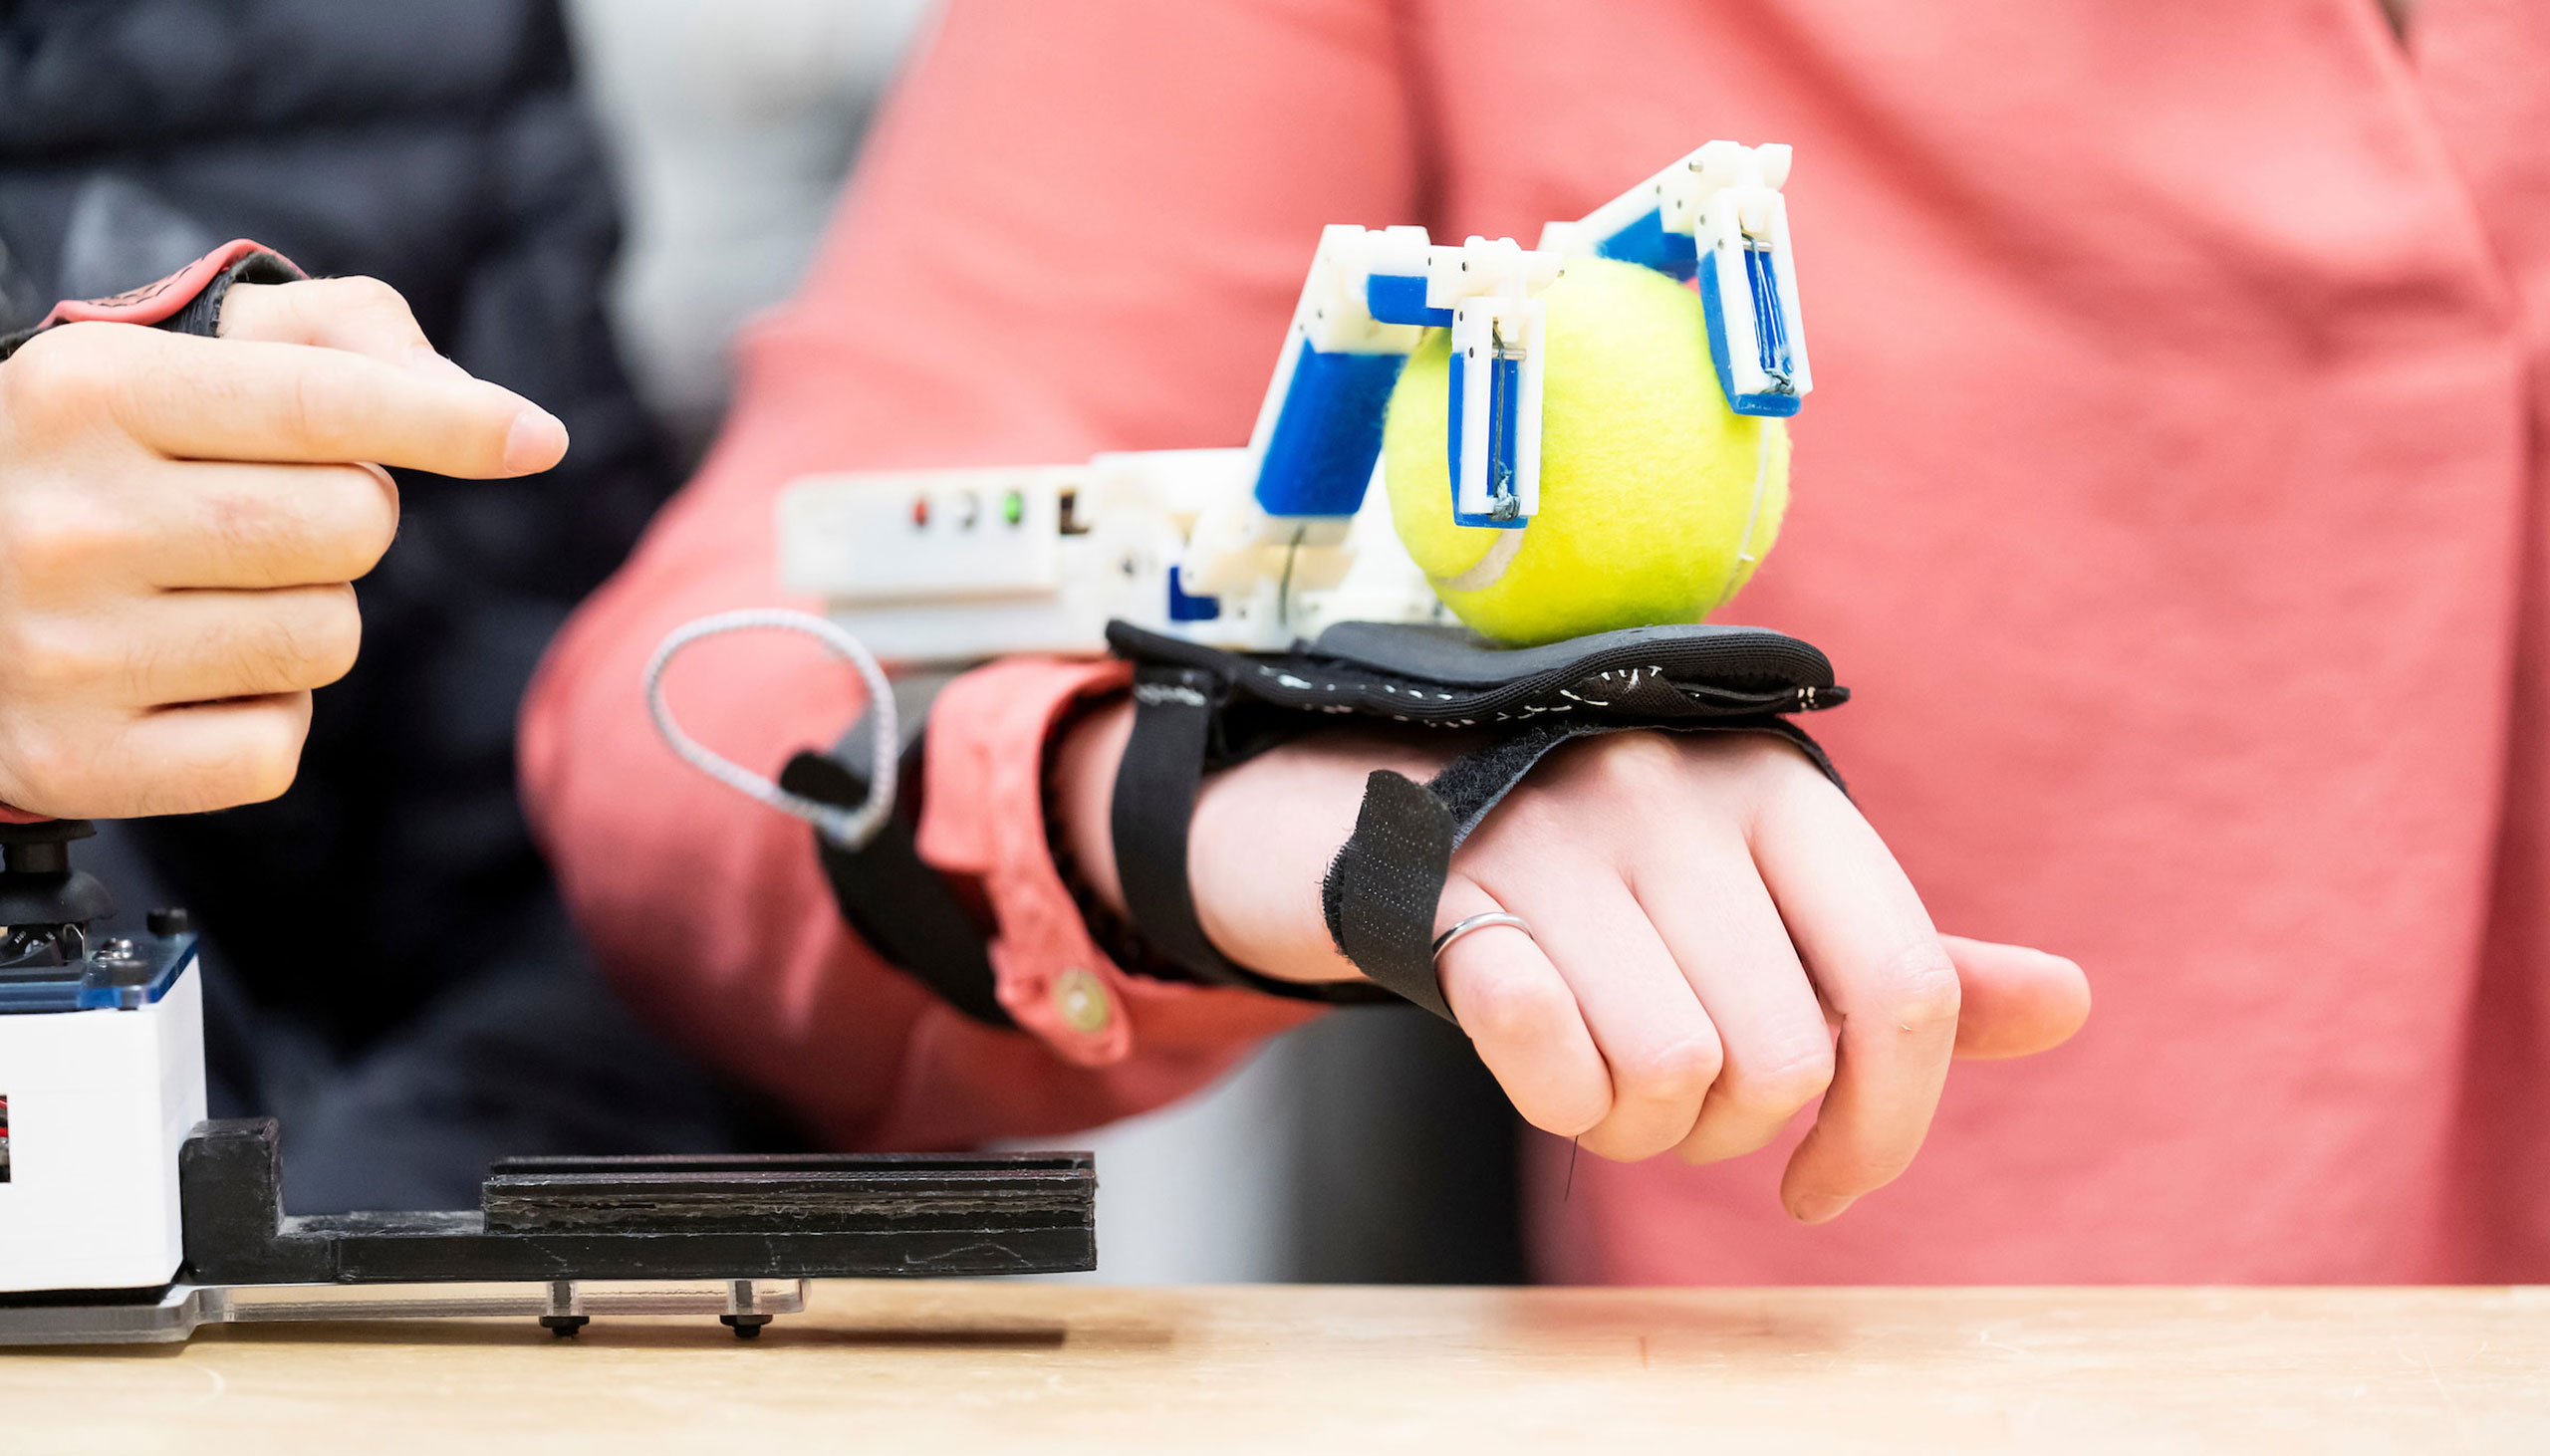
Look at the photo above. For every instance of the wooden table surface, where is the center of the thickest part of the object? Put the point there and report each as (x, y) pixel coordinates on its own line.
(935, 1367)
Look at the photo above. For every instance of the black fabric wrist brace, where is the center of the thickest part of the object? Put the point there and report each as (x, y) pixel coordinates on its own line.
(1198, 709)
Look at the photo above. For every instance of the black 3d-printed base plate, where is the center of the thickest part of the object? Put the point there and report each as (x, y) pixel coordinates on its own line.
(561, 1222)
(784, 1217)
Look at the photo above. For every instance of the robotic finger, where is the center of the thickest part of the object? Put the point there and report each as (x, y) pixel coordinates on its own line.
(1249, 549)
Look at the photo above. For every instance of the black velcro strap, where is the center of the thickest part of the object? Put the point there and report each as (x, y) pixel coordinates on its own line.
(1173, 743)
(1382, 889)
(901, 908)
(1154, 802)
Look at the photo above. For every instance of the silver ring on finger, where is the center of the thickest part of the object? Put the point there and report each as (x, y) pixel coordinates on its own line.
(1443, 942)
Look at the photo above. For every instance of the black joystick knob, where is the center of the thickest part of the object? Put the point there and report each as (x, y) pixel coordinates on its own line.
(38, 887)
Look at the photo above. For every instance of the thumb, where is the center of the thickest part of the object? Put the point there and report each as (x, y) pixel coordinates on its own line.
(2017, 1002)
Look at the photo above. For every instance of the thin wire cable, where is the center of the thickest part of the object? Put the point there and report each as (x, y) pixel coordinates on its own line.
(1744, 555)
(848, 827)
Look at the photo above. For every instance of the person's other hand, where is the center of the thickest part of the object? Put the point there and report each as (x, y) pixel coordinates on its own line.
(1717, 940)
(181, 521)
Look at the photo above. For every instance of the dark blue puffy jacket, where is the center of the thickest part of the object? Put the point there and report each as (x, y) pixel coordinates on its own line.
(436, 144)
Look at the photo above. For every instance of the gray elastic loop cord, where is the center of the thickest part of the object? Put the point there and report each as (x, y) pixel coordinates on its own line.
(849, 829)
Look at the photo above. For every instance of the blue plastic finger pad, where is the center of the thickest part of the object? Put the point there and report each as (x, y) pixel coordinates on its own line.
(1328, 434)
(1646, 243)
(1399, 298)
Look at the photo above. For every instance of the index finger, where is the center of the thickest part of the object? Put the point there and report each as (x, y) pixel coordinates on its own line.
(1871, 949)
(244, 399)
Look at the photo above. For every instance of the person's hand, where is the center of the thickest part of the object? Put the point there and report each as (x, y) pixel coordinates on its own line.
(1717, 939)
(182, 520)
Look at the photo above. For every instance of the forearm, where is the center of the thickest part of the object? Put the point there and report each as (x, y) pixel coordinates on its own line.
(712, 912)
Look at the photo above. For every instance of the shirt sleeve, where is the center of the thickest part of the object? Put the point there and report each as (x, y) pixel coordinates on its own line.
(1077, 229)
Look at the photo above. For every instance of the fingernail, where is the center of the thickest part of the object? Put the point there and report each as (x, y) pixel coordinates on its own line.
(535, 442)
(1821, 1207)
(425, 358)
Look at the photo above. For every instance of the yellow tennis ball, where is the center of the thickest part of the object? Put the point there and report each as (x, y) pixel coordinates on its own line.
(1657, 499)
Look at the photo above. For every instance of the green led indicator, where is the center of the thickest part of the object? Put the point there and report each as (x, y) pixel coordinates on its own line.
(1013, 508)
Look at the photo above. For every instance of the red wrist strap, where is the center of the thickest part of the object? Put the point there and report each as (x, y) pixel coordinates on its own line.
(187, 301)
(155, 302)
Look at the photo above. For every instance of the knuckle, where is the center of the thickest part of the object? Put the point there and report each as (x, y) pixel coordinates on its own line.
(47, 535)
(1511, 1009)
(1788, 1083)
(1571, 1117)
(261, 762)
(268, 765)
(374, 305)
(1677, 1070)
(48, 661)
(332, 639)
(1636, 764)
(67, 355)
(332, 527)
(1762, 751)
(1555, 1121)
(70, 371)
(372, 510)
(362, 291)
(1629, 1140)
(53, 767)
(1770, 763)
(311, 645)
(243, 528)
(1918, 988)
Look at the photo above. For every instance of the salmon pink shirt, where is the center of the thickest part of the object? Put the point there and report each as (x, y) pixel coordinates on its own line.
(2171, 499)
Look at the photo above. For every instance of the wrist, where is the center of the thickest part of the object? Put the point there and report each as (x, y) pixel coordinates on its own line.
(1081, 792)
(1265, 835)
(1260, 842)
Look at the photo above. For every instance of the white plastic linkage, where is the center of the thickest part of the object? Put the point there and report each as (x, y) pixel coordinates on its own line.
(848, 827)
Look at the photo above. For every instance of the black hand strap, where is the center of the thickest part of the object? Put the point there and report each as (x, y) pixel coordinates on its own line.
(1154, 802)
(1383, 887)
(1165, 761)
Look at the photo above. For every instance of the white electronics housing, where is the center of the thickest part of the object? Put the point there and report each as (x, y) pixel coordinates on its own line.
(99, 1104)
